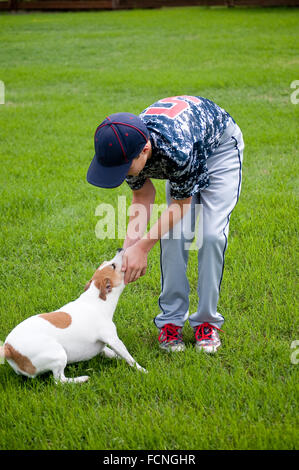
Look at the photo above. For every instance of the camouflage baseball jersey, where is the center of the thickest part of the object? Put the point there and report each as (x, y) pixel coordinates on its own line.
(184, 131)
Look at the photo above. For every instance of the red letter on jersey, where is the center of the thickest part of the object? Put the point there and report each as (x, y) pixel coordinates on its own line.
(178, 107)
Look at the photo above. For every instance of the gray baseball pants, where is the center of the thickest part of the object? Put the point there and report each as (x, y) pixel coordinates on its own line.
(214, 206)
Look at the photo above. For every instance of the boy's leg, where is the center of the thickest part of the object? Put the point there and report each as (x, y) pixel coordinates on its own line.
(218, 200)
(174, 298)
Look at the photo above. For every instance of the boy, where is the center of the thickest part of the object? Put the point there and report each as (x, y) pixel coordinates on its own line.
(198, 148)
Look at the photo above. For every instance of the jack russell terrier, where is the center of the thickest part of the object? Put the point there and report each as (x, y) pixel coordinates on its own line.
(77, 332)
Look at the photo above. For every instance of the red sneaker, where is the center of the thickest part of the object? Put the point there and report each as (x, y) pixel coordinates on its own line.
(170, 338)
(207, 337)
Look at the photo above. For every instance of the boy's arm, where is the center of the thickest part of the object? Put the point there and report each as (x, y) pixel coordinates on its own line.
(141, 207)
(135, 257)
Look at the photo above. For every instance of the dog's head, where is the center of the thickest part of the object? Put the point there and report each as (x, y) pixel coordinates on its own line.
(108, 276)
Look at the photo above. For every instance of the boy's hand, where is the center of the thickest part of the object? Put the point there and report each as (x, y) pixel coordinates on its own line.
(134, 262)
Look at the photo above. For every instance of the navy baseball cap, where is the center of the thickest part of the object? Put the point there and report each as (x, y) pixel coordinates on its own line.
(118, 140)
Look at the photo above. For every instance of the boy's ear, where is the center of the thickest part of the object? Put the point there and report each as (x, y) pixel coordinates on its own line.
(146, 147)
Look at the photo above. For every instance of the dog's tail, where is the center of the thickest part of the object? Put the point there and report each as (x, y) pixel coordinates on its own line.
(4, 353)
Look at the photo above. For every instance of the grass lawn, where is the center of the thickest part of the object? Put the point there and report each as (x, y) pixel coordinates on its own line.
(63, 73)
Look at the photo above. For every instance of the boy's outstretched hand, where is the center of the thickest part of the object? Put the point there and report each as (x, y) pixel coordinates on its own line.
(134, 262)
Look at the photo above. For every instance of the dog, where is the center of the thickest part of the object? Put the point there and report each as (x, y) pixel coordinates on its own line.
(77, 332)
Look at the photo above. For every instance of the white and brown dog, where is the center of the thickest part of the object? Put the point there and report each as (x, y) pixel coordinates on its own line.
(77, 332)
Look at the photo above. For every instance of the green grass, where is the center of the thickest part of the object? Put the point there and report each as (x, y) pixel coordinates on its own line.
(63, 73)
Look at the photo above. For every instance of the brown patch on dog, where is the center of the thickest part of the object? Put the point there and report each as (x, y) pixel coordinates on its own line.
(104, 286)
(87, 285)
(23, 362)
(58, 319)
(105, 279)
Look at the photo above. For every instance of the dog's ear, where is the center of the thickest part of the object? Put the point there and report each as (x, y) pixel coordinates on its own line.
(105, 287)
(87, 285)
